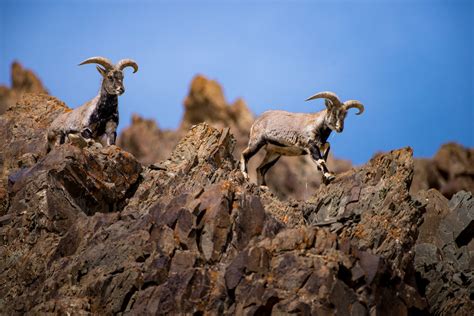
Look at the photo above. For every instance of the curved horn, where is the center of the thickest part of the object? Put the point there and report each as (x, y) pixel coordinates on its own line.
(99, 60)
(326, 95)
(354, 104)
(127, 63)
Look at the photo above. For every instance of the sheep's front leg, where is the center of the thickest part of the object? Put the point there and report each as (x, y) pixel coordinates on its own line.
(321, 163)
(111, 132)
(325, 150)
(86, 133)
(86, 139)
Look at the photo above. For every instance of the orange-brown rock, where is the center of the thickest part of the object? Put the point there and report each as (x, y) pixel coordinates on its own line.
(22, 81)
(451, 170)
(88, 230)
(147, 141)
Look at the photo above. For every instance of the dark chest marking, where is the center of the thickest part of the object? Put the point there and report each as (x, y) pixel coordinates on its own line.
(323, 133)
(105, 111)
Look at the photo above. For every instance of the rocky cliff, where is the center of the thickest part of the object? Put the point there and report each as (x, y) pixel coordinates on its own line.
(22, 81)
(93, 230)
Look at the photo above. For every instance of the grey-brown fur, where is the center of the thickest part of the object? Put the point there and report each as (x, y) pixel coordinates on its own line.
(294, 134)
(98, 118)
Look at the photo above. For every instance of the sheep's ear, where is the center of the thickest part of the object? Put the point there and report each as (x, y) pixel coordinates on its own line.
(101, 71)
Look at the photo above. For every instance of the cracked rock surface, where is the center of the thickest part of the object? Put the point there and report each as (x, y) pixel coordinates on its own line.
(291, 177)
(88, 230)
(444, 253)
(91, 231)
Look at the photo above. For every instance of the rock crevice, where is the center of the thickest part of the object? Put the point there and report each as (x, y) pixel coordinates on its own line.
(90, 230)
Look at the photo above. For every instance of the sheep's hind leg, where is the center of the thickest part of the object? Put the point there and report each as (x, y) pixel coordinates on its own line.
(248, 153)
(321, 164)
(268, 161)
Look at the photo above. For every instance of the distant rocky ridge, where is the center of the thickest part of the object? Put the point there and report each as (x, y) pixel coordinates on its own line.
(22, 81)
(93, 230)
(451, 170)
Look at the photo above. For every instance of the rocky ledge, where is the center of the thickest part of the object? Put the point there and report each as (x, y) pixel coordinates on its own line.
(90, 230)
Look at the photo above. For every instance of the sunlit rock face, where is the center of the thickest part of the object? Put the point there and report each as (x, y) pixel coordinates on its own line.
(89, 229)
(174, 228)
(22, 81)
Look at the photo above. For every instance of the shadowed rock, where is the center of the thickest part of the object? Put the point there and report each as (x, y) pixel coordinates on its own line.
(444, 254)
(89, 230)
(23, 134)
(87, 234)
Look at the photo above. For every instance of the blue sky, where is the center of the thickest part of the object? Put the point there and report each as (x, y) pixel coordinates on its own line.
(410, 62)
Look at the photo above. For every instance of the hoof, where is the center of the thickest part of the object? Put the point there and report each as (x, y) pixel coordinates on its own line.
(77, 140)
(328, 177)
(263, 188)
(90, 142)
(96, 144)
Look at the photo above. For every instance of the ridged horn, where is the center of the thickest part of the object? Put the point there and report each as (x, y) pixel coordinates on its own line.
(105, 62)
(354, 104)
(127, 63)
(331, 96)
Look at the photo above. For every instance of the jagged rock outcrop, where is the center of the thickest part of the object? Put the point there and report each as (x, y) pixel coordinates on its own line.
(89, 232)
(206, 103)
(294, 177)
(451, 170)
(147, 141)
(22, 81)
(23, 135)
(444, 254)
(372, 207)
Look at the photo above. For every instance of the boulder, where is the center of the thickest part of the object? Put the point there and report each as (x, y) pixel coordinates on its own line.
(451, 170)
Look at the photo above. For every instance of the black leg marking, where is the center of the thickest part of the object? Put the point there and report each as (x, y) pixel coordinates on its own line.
(269, 161)
(316, 155)
(248, 153)
(62, 139)
(252, 150)
(86, 133)
(321, 164)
